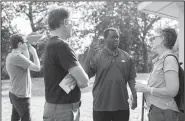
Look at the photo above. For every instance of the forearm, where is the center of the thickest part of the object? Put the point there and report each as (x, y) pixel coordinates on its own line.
(79, 75)
(86, 66)
(26, 54)
(36, 60)
(161, 92)
(132, 88)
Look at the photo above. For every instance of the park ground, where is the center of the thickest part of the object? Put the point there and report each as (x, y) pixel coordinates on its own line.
(38, 100)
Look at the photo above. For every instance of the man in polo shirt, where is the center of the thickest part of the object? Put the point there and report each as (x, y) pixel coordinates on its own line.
(18, 67)
(114, 69)
(60, 60)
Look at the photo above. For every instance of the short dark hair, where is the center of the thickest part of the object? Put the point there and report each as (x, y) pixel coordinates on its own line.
(15, 39)
(106, 32)
(56, 17)
(170, 37)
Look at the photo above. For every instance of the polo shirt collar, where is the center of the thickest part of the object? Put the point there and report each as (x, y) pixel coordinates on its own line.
(164, 54)
(110, 53)
(159, 57)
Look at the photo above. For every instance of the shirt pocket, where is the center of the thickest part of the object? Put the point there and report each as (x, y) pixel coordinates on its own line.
(122, 64)
(123, 67)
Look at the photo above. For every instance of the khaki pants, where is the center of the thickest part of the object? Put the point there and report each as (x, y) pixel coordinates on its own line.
(157, 114)
(61, 112)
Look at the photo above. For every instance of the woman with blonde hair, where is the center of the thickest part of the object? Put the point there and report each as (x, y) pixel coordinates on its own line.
(163, 83)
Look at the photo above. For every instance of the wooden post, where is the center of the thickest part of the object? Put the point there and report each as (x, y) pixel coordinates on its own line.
(142, 108)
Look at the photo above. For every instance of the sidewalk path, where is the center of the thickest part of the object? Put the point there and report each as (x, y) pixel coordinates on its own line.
(37, 106)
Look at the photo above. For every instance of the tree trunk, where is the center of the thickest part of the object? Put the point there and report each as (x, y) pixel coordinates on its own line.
(30, 16)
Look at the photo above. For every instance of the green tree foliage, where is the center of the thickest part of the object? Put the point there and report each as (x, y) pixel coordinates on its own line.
(90, 20)
(133, 26)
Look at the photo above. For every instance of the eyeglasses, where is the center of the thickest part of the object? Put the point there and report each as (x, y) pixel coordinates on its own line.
(69, 21)
(153, 38)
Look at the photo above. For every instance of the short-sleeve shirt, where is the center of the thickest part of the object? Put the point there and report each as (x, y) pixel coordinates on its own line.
(58, 59)
(112, 74)
(157, 80)
(20, 79)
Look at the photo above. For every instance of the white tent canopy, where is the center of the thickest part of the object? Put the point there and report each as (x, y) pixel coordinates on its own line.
(173, 10)
(163, 9)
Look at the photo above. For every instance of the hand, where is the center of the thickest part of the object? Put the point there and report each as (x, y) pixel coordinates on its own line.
(93, 49)
(73, 84)
(32, 50)
(133, 102)
(142, 88)
(26, 53)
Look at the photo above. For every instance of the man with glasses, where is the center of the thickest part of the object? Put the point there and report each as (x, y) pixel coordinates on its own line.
(18, 67)
(59, 61)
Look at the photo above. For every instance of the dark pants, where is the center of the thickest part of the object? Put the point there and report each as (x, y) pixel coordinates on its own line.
(157, 114)
(20, 108)
(181, 116)
(122, 115)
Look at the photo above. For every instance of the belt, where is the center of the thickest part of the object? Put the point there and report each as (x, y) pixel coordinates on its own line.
(64, 106)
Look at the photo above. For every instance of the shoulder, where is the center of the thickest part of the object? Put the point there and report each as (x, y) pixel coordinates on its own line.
(171, 60)
(170, 63)
(126, 54)
(57, 44)
(16, 58)
(97, 55)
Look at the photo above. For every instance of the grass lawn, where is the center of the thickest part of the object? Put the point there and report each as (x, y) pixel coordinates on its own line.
(37, 101)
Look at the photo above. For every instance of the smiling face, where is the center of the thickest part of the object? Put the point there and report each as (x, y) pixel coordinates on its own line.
(112, 40)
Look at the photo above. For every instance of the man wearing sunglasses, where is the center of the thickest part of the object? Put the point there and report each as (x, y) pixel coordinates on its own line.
(18, 66)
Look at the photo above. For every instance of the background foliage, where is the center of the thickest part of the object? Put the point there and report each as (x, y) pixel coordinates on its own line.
(90, 19)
